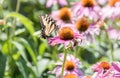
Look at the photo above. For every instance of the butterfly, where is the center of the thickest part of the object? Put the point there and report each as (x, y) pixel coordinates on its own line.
(48, 25)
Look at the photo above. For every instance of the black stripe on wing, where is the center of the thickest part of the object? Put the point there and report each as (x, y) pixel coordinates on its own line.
(42, 28)
(47, 26)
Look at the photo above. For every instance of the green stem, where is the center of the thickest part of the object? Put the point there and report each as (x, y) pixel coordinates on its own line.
(63, 63)
(18, 5)
(75, 51)
(9, 58)
(11, 61)
(112, 57)
(1, 11)
(17, 10)
(111, 46)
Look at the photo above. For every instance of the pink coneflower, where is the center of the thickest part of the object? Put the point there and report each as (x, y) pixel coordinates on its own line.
(102, 70)
(101, 66)
(63, 15)
(82, 24)
(111, 10)
(66, 36)
(71, 67)
(87, 8)
(49, 3)
(86, 28)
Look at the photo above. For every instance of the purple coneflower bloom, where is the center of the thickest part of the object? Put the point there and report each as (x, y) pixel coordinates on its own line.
(49, 3)
(86, 28)
(87, 8)
(102, 70)
(66, 36)
(111, 10)
(71, 67)
(62, 16)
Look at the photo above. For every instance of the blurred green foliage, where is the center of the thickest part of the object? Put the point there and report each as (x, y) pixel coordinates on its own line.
(25, 55)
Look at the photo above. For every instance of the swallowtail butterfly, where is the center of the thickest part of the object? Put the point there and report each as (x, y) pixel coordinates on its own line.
(47, 25)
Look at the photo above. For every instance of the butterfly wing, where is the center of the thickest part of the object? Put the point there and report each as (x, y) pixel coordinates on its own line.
(42, 27)
(48, 25)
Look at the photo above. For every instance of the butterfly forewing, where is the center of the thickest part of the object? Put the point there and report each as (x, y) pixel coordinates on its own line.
(48, 25)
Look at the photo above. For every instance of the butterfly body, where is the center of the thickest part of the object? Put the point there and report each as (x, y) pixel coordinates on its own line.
(48, 25)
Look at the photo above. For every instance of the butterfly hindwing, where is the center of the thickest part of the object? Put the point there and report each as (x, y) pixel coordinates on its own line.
(48, 25)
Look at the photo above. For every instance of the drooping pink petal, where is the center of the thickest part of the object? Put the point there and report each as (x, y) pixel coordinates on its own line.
(55, 40)
(115, 66)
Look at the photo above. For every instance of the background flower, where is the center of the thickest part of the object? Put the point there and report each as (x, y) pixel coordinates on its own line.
(71, 67)
(111, 10)
(87, 8)
(49, 3)
(62, 16)
(87, 29)
(25, 54)
(114, 33)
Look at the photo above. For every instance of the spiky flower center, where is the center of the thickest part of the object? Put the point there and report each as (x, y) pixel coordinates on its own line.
(71, 76)
(65, 14)
(113, 2)
(69, 65)
(105, 65)
(88, 3)
(82, 24)
(66, 33)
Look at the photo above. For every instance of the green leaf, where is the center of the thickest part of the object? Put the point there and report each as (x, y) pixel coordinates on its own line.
(2, 65)
(16, 56)
(28, 47)
(25, 21)
(42, 48)
(116, 54)
(23, 68)
(21, 49)
(31, 69)
(42, 65)
(19, 31)
(5, 48)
